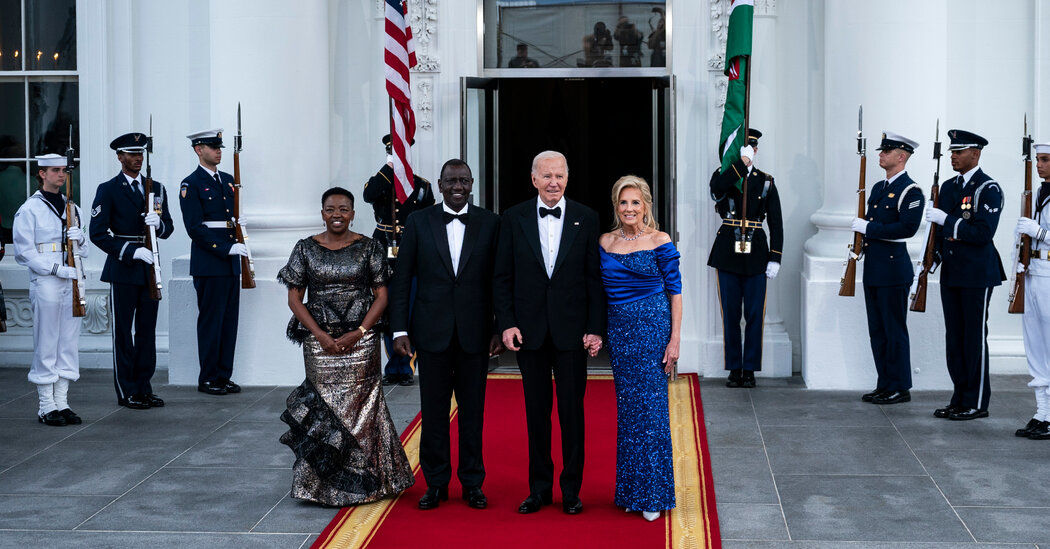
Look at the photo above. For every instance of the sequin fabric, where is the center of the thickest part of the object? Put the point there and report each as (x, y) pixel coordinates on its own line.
(638, 333)
(347, 450)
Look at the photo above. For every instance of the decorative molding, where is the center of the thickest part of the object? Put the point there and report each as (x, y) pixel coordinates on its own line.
(765, 8)
(380, 11)
(97, 319)
(19, 312)
(423, 18)
(425, 102)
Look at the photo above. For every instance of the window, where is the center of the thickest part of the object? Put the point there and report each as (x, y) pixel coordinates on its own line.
(39, 95)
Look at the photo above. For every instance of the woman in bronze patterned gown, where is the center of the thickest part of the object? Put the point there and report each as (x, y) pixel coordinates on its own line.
(347, 450)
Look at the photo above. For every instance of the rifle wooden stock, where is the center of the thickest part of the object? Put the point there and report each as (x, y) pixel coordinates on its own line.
(1023, 253)
(847, 286)
(918, 297)
(247, 265)
(73, 252)
(153, 274)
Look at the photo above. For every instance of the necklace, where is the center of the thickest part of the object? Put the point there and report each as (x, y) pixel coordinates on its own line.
(635, 237)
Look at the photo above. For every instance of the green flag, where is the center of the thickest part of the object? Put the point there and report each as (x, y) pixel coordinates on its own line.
(738, 53)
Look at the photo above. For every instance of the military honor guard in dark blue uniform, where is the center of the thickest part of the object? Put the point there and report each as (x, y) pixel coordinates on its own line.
(744, 259)
(969, 209)
(894, 214)
(1036, 321)
(379, 192)
(119, 227)
(206, 199)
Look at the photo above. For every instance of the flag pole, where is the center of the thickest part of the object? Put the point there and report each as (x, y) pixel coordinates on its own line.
(747, 97)
(391, 246)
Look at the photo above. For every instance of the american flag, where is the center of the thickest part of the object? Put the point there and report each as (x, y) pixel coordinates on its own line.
(400, 56)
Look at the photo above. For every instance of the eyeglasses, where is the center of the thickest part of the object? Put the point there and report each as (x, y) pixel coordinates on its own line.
(463, 180)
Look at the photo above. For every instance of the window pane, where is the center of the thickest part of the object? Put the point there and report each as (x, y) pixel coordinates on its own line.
(575, 33)
(10, 35)
(12, 119)
(51, 35)
(13, 185)
(53, 106)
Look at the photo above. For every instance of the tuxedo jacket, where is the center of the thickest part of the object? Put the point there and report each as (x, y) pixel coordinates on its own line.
(894, 213)
(203, 199)
(763, 204)
(118, 229)
(568, 304)
(967, 253)
(445, 302)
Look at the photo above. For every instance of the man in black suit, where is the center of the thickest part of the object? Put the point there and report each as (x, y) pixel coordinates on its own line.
(550, 307)
(450, 250)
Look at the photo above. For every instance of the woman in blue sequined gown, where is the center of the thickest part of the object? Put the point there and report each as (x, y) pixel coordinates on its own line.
(644, 289)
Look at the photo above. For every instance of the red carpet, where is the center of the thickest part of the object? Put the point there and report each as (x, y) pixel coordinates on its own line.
(400, 523)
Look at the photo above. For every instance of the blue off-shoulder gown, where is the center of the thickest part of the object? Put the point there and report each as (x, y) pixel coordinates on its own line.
(638, 285)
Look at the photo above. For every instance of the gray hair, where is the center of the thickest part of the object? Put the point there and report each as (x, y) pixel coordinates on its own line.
(545, 155)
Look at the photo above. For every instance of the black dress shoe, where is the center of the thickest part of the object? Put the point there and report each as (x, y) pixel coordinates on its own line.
(230, 386)
(969, 413)
(734, 378)
(1024, 431)
(892, 397)
(212, 388)
(475, 497)
(52, 418)
(71, 417)
(135, 402)
(406, 380)
(533, 503)
(572, 506)
(391, 379)
(153, 400)
(1041, 431)
(748, 379)
(947, 411)
(866, 397)
(433, 497)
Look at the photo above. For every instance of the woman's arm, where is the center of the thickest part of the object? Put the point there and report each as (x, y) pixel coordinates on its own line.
(349, 339)
(302, 314)
(671, 353)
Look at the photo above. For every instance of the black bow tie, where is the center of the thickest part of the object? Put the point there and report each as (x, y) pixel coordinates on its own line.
(448, 217)
(556, 212)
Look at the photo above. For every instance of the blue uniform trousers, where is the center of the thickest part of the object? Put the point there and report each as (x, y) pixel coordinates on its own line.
(887, 308)
(134, 359)
(397, 364)
(218, 304)
(741, 294)
(966, 344)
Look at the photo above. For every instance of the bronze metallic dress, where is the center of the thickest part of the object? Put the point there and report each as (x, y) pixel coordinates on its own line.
(346, 447)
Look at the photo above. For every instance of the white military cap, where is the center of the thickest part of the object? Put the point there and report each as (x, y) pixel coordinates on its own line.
(892, 140)
(1041, 148)
(49, 160)
(211, 137)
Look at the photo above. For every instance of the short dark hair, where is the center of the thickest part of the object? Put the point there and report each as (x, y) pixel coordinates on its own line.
(451, 163)
(337, 191)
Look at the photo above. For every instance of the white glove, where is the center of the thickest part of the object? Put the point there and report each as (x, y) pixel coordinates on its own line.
(144, 255)
(860, 226)
(935, 215)
(74, 233)
(748, 152)
(153, 220)
(239, 249)
(772, 268)
(65, 271)
(389, 159)
(242, 222)
(1027, 226)
(1020, 268)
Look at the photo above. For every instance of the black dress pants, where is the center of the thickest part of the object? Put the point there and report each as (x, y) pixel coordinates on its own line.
(887, 308)
(966, 344)
(218, 304)
(134, 356)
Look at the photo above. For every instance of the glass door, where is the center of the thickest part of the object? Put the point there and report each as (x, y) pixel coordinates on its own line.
(478, 129)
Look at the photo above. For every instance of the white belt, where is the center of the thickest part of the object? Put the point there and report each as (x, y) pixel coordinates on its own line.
(218, 224)
(49, 247)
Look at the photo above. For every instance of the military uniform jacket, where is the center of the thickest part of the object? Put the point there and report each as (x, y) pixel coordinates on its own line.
(763, 203)
(965, 249)
(118, 229)
(894, 213)
(1041, 267)
(378, 193)
(202, 199)
(36, 224)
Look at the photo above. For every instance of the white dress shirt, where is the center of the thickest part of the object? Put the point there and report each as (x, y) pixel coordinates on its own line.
(134, 182)
(454, 230)
(550, 233)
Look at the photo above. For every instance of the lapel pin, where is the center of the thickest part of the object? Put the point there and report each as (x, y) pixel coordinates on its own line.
(576, 223)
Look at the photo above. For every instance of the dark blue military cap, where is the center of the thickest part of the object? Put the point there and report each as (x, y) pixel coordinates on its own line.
(133, 142)
(892, 141)
(753, 136)
(207, 137)
(962, 139)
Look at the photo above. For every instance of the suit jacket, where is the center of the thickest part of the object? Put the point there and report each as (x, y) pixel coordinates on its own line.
(445, 301)
(571, 302)
(763, 203)
(117, 228)
(967, 254)
(202, 199)
(894, 213)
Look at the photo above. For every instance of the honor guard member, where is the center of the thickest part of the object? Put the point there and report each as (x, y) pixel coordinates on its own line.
(743, 258)
(1036, 320)
(894, 215)
(970, 205)
(379, 192)
(206, 199)
(39, 234)
(119, 227)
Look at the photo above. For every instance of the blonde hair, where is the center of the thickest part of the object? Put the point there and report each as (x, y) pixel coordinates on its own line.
(634, 182)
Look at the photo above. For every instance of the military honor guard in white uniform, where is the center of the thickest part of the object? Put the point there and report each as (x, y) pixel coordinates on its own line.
(894, 214)
(119, 228)
(39, 235)
(1036, 321)
(970, 205)
(206, 200)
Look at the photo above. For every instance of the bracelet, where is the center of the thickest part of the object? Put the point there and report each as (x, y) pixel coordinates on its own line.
(363, 330)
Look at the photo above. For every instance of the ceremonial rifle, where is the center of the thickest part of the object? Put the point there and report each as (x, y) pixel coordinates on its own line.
(847, 287)
(247, 265)
(927, 265)
(1023, 245)
(72, 246)
(155, 278)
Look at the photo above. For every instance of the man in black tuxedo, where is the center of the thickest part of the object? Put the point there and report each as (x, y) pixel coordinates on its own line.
(450, 250)
(551, 309)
